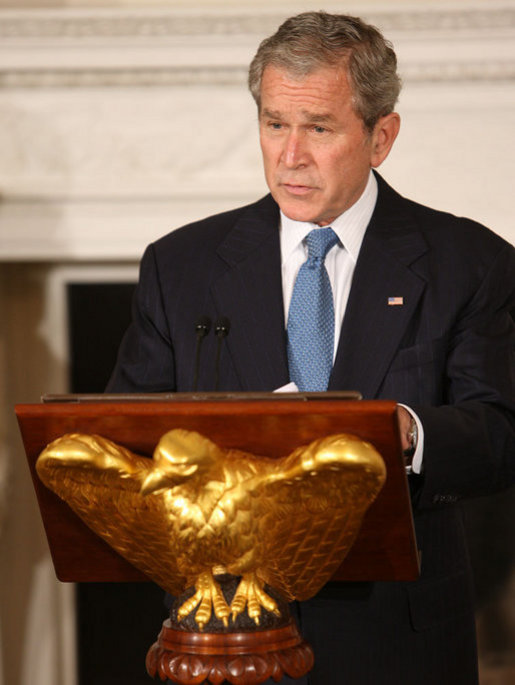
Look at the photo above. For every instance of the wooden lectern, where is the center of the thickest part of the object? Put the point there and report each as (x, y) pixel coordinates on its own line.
(270, 425)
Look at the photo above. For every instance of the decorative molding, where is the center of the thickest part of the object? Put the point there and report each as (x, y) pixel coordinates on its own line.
(100, 230)
(162, 25)
(169, 24)
(439, 20)
(459, 71)
(130, 77)
(447, 71)
(165, 47)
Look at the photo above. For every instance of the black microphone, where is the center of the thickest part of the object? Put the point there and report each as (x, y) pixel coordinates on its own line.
(202, 328)
(222, 328)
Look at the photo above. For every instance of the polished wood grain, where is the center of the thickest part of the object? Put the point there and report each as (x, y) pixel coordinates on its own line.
(236, 658)
(385, 548)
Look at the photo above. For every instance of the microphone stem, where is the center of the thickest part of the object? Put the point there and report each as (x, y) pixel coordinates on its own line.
(200, 338)
(222, 327)
(217, 362)
(202, 328)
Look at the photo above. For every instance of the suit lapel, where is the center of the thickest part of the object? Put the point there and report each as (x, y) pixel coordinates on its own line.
(372, 329)
(249, 294)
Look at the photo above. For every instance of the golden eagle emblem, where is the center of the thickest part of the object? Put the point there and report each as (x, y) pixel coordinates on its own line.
(196, 510)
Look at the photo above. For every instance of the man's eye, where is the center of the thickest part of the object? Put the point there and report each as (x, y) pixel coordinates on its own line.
(276, 126)
(319, 129)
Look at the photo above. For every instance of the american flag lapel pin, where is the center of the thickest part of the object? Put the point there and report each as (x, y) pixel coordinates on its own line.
(395, 301)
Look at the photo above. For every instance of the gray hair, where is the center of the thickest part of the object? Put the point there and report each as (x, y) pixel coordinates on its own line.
(312, 40)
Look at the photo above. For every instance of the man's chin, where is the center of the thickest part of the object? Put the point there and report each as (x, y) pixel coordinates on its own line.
(296, 208)
(299, 212)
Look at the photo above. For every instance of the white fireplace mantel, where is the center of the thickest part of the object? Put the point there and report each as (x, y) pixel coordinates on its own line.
(117, 125)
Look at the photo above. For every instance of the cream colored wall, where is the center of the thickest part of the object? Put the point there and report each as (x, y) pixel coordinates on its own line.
(98, 156)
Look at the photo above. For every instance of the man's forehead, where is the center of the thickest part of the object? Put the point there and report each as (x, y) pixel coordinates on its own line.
(317, 96)
(325, 81)
(303, 70)
(338, 69)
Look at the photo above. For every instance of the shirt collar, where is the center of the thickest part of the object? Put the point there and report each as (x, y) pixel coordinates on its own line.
(350, 226)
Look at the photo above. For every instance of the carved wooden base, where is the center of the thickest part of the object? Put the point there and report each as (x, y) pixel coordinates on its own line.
(236, 658)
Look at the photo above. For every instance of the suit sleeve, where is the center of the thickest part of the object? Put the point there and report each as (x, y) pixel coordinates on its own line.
(146, 358)
(469, 444)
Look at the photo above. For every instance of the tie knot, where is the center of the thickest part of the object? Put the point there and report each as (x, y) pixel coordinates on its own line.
(320, 241)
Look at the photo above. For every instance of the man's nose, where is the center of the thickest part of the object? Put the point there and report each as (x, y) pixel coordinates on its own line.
(295, 153)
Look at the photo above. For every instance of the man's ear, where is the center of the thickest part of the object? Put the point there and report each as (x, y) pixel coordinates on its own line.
(383, 137)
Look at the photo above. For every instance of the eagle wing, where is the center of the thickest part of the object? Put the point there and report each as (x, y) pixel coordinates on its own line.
(100, 481)
(312, 511)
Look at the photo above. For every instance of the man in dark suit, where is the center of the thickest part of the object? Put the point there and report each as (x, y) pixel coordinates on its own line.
(421, 311)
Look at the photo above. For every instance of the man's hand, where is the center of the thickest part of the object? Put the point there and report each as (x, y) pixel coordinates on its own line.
(404, 419)
(407, 428)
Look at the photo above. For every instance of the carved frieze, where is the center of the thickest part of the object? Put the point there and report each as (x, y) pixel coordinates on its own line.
(99, 47)
(97, 23)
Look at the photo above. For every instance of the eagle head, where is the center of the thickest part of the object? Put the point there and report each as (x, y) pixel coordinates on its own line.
(180, 455)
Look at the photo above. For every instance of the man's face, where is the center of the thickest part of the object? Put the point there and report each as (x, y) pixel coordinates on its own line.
(316, 152)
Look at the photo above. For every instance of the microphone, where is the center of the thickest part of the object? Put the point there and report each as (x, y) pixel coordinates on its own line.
(202, 328)
(222, 328)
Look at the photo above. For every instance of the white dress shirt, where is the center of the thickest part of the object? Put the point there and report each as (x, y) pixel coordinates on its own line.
(341, 259)
(340, 263)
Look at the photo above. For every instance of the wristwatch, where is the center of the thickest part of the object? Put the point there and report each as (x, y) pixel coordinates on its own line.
(413, 434)
(413, 438)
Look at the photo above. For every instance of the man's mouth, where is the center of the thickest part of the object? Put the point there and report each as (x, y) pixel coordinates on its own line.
(297, 188)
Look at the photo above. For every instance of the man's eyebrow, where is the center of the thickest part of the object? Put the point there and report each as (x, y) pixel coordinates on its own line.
(310, 117)
(321, 117)
(271, 113)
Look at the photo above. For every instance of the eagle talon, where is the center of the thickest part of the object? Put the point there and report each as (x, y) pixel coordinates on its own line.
(203, 613)
(188, 606)
(250, 594)
(208, 597)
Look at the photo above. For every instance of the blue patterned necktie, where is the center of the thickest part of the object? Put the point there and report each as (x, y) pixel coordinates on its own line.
(311, 317)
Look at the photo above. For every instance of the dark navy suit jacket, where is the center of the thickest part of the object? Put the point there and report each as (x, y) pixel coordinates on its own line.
(447, 352)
